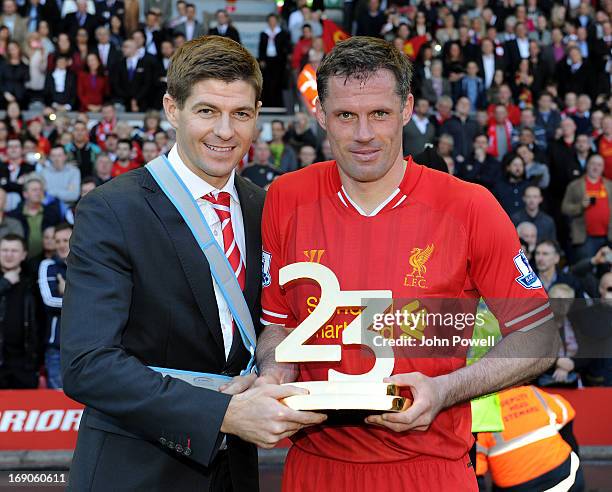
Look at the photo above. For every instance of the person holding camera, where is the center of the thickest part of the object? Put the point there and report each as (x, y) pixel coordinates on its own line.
(588, 202)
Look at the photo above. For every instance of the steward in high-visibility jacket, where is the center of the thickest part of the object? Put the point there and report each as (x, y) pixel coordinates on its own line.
(530, 454)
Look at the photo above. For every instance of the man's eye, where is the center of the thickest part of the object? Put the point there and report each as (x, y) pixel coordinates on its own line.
(345, 115)
(205, 111)
(380, 114)
(242, 115)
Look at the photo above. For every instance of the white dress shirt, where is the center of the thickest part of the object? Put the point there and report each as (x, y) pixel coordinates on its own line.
(198, 188)
(488, 64)
(103, 51)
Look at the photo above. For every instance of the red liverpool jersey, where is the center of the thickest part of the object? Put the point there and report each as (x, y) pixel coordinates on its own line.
(467, 249)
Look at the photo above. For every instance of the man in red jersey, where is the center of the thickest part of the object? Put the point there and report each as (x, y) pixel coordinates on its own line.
(365, 216)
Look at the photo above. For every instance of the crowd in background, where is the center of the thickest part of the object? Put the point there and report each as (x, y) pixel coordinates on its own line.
(512, 95)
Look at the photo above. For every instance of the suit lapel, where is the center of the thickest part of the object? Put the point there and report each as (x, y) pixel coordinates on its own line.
(193, 261)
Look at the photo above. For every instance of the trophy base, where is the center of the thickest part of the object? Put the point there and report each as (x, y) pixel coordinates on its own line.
(345, 402)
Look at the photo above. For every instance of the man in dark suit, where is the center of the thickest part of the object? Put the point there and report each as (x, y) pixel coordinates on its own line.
(81, 18)
(224, 26)
(61, 85)
(488, 62)
(108, 53)
(140, 293)
(516, 49)
(191, 28)
(133, 78)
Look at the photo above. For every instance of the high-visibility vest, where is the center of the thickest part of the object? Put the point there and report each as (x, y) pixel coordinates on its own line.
(486, 410)
(530, 444)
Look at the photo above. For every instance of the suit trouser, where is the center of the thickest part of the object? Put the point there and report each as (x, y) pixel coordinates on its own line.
(221, 480)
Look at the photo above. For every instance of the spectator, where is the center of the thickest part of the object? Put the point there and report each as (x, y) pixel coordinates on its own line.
(224, 26)
(505, 99)
(149, 151)
(531, 213)
(371, 20)
(81, 150)
(87, 184)
(92, 85)
(562, 161)
(17, 25)
(14, 74)
(20, 337)
(574, 73)
(300, 132)
(105, 9)
(105, 127)
(63, 180)
(8, 225)
(44, 31)
(500, 133)
(582, 116)
(446, 143)
(61, 86)
(81, 50)
(163, 142)
(588, 201)
(583, 150)
(181, 10)
(162, 8)
(167, 50)
(272, 55)
(153, 33)
(108, 54)
(284, 156)
(151, 125)
(528, 121)
(528, 234)
(444, 108)
(191, 28)
(301, 48)
(536, 172)
(448, 32)
(604, 145)
(306, 156)
(419, 131)
(325, 151)
(52, 282)
(472, 87)
(132, 79)
(65, 48)
(37, 55)
(511, 187)
(437, 85)
(117, 32)
(462, 128)
(479, 167)
(261, 171)
(103, 169)
(13, 172)
(517, 48)
(488, 62)
(124, 163)
(80, 19)
(590, 270)
(48, 251)
(33, 215)
(547, 258)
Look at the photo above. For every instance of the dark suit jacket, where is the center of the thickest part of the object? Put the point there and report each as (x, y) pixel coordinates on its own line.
(69, 96)
(142, 87)
(231, 33)
(71, 25)
(129, 304)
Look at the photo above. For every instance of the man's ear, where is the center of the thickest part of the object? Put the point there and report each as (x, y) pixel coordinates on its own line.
(407, 111)
(171, 108)
(320, 114)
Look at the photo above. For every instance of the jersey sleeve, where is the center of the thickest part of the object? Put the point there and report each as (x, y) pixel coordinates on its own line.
(500, 270)
(273, 301)
(564, 411)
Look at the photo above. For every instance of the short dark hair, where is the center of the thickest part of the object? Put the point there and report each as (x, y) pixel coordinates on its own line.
(124, 141)
(16, 237)
(361, 57)
(89, 180)
(211, 57)
(63, 226)
(552, 243)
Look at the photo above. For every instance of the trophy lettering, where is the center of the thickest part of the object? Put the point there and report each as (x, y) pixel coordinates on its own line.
(341, 392)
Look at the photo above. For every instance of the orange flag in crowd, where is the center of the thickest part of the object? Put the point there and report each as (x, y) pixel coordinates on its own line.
(307, 85)
(332, 34)
(413, 46)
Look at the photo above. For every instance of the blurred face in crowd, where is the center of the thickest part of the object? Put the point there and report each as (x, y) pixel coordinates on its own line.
(595, 167)
(63, 43)
(605, 287)
(481, 142)
(583, 104)
(521, 32)
(527, 118)
(532, 198)
(528, 233)
(12, 254)
(597, 119)
(62, 243)
(215, 127)
(80, 133)
(500, 115)
(33, 192)
(128, 48)
(108, 113)
(445, 145)
(516, 168)
(505, 94)
(463, 107)
(525, 154)
(58, 157)
(583, 144)
(606, 125)
(262, 153)
(111, 143)
(49, 239)
(190, 12)
(422, 107)
(161, 139)
(307, 155)
(222, 18)
(534, 49)
(364, 121)
(436, 70)
(104, 166)
(167, 49)
(278, 131)
(575, 56)
(444, 106)
(326, 150)
(82, 6)
(546, 258)
(123, 151)
(61, 63)
(14, 151)
(102, 35)
(93, 63)
(472, 69)
(82, 37)
(139, 39)
(487, 47)
(124, 130)
(9, 7)
(568, 128)
(149, 151)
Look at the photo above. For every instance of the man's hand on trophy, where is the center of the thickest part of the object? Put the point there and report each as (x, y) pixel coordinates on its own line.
(258, 416)
(238, 384)
(427, 403)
